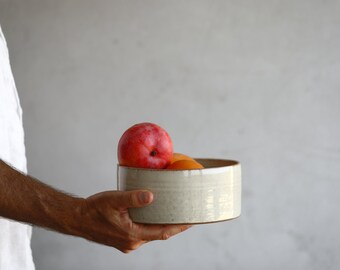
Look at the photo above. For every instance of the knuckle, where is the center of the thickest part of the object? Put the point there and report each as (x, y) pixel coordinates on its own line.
(132, 245)
(165, 236)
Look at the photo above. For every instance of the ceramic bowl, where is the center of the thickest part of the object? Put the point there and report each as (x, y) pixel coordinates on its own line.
(194, 196)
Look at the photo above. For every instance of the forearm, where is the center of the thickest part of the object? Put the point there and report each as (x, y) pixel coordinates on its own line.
(26, 199)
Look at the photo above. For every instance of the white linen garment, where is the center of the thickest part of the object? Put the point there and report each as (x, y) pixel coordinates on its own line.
(15, 237)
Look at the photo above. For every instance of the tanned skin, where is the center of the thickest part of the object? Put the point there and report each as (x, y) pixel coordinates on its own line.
(101, 218)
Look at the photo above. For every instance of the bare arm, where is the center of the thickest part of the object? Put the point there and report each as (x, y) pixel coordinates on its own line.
(102, 218)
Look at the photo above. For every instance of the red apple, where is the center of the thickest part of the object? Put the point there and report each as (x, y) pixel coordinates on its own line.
(145, 145)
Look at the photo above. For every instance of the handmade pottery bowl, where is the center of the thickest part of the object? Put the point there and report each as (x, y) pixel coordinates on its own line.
(206, 195)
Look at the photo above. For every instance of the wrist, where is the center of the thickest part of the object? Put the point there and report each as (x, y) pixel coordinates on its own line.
(71, 221)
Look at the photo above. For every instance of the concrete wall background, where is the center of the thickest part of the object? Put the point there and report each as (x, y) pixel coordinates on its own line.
(256, 81)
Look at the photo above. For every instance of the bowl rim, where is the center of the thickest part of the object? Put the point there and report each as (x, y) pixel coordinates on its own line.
(229, 163)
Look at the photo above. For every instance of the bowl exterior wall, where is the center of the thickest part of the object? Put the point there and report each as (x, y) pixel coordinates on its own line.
(186, 196)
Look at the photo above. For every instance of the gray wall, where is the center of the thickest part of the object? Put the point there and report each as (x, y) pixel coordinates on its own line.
(256, 81)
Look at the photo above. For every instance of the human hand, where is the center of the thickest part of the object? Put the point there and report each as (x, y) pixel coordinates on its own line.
(106, 220)
(102, 218)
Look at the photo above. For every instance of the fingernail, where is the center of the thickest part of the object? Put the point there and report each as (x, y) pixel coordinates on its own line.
(144, 197)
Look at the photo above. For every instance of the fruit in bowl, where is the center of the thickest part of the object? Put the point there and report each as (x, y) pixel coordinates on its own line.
(147, 145)
(185, 164)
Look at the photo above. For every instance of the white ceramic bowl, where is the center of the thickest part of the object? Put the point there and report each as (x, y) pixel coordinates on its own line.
(204, 195)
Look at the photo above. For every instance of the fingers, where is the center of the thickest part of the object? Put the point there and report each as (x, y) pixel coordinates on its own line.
(161, 232)
(136, 198)
(153, 232)
(131, 247)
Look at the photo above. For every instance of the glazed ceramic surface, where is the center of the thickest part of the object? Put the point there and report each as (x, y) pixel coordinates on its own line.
(204, 195)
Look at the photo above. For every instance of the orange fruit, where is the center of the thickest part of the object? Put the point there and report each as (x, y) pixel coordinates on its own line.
(179, 156)
(185, 165)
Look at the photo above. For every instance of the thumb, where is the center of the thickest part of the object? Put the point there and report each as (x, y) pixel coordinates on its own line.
(136, 198)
